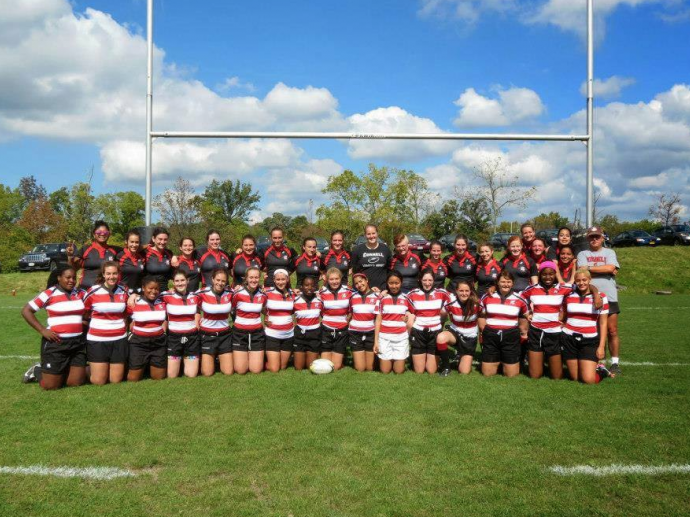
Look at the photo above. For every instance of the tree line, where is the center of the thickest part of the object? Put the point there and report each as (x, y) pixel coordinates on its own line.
(397, 200)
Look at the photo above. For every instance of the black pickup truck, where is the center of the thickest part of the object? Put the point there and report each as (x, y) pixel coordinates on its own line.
(44, 256)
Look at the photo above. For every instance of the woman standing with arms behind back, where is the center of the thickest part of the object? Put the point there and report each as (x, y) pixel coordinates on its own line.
(91, 257)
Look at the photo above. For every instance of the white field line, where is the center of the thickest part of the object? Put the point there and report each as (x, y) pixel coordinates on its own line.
(648, 363)
(11, 307)
(614, 470)
(653, 308)
(103, 473)
(21, 357)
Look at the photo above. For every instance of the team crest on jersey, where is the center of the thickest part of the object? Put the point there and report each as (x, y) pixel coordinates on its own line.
(523, 268)
(441, 273)
(111, 258)
(494, 275)
(414, 266)
(344, 262)
(468, 266)
(316, 267)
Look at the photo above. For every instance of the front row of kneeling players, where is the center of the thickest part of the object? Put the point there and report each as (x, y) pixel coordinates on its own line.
(167, 332)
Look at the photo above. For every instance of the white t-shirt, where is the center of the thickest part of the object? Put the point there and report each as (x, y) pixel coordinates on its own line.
(606, 283)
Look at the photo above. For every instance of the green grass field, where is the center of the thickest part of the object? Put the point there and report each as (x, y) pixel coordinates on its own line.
(356, 444)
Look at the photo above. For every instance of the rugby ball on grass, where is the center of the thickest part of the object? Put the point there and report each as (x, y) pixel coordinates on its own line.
(321, 366)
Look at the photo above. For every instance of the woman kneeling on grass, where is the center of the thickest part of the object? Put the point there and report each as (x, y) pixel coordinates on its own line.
(308, 309)
(463, 309)
(362, 323)
(544, 336)
(182, 308)
(63, 349)
(279, 327)
(393, 320)
(147, 341)
(214, 326)
(427, 305)
(107, 347)
(336, 306)
(584, 333)
(248, 336)
(502, 324)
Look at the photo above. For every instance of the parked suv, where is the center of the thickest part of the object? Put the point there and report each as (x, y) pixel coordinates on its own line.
(500, 240)
(44, 256)
(550, 237)
(674, 234)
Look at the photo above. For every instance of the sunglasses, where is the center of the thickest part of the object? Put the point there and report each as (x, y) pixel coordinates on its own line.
(594, 237)
(102, 233)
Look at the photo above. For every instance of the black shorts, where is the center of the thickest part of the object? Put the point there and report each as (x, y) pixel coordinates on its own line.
(148, 351)
(308, 340)
(56, 358)
(248, 340)
(549, 343)
(184, 345)
(577, 347)
(334, 340)
(274, 344)
(501, 346)
(361, 341)
(113, 352)
(463, 344)
(423, 341)
(614, 308)
(215, 343)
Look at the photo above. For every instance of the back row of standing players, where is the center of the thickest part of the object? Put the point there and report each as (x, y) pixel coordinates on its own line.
(373, 258)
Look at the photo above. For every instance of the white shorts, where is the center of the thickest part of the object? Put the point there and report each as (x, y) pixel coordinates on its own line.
(394, 350)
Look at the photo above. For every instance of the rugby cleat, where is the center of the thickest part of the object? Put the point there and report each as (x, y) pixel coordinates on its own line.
(30, 375)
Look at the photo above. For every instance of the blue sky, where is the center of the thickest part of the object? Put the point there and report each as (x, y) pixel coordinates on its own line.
(73, 91)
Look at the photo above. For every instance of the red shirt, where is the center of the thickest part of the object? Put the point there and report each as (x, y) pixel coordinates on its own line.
(503, 313)
(147, 317)
(108, 313)
(393, 311)
(279, 310)
(427, 306)
(363, 311)
(65, 310)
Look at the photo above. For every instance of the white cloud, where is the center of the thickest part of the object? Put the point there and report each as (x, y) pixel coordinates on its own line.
(608, 88)
(513, 105)
(466, 11)
(395, 120)
(234, 83)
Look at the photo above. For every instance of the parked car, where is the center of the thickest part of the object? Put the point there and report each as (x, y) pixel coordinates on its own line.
(322, 245)
(419, 244)
(674, 234)
(44, 256)
(362, 239)
(448, 242)
(500, 240)
(635, 238)
(550, 236)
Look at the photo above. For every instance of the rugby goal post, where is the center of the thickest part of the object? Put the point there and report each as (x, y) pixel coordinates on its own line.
(587, 138)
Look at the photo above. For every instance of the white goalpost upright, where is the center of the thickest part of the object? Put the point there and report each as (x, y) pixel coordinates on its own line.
(585, 138)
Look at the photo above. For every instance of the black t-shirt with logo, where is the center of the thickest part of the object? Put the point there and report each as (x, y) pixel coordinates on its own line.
(374, 263)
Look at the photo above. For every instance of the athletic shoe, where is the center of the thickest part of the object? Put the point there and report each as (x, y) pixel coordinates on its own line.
(603, 372)
(444, 373)
(30, 375)
(615, 370)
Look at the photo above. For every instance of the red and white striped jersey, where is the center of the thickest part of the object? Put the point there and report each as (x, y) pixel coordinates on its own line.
(581, 317)
(182, 311)
(215, 310)
(247, 308)
(546, 305)
(108, 312)
(393, 311)
(363, 310)
(463, 324)
(427, 306)
(336, 306)
(503, 313)
(279, 310)
(308, 312)
(65, 310)
(147, 317)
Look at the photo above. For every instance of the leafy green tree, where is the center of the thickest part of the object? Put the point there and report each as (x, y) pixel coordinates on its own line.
(551, 220)
(31, 190)
(42, 222)
(475, 217)
(445, 220)
(59, 200)
(228, 202)
(11, 205)
(179, 210)
(122, 210)
(413, 199)
(81, 212)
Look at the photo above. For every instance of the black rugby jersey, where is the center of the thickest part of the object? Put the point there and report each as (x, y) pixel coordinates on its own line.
(278, 258)
(409, 267)
(240, 263)
(92, 256)
(461, 267)
(131, 268)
